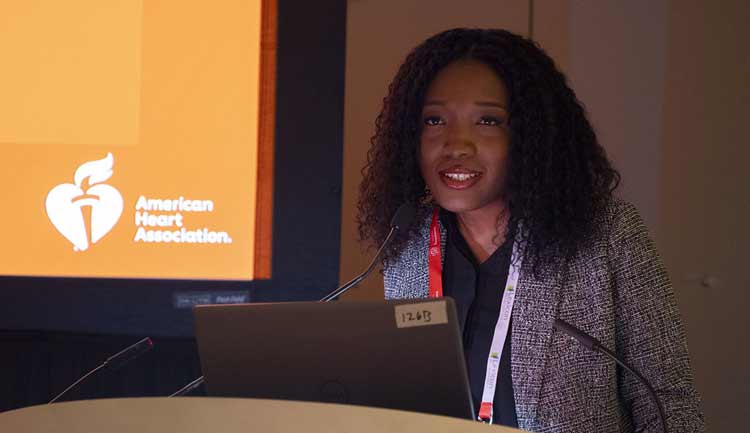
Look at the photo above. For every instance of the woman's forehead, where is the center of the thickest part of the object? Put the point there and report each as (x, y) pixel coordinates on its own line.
(466, 81)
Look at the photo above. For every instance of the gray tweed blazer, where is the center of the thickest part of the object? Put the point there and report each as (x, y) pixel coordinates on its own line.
(616, 290)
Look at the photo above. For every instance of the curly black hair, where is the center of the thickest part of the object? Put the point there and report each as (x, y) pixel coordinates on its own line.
(559, 178)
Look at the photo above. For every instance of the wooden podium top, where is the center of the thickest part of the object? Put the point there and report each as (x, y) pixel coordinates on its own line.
(226, 415)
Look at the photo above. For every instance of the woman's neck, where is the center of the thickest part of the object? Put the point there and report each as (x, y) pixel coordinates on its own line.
(483, 229)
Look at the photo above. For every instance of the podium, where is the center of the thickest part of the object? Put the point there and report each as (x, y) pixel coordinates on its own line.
(226, 415)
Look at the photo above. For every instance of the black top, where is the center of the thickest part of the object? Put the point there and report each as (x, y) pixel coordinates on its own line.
(477, 289)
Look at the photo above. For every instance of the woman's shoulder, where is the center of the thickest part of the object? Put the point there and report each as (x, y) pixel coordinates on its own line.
(618, 227)
(621, 220)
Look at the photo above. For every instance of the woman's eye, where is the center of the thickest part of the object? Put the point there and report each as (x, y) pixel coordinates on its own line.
(490, 121)
(433, 121)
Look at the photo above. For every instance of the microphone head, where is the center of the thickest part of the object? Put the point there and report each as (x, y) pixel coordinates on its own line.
(404, 216)
(576, 334)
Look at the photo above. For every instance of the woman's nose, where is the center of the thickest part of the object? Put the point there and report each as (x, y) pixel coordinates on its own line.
(459, 142)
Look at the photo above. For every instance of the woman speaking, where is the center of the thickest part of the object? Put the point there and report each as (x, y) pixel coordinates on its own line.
(518, 223)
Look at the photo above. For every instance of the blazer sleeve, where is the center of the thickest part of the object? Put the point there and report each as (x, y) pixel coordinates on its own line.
(649, 334)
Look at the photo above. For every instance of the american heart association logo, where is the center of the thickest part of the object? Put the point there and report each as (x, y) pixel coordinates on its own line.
(66, 202)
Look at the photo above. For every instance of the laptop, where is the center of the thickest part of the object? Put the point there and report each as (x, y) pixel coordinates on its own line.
(404, 354)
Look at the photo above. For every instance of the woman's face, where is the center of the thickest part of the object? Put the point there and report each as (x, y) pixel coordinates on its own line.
(464, 142)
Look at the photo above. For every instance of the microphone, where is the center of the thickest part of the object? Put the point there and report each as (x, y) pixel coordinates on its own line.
(401, 220)
(115, 361)
(593, 344)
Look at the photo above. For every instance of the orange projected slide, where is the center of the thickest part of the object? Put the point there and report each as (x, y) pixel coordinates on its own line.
(133, 136)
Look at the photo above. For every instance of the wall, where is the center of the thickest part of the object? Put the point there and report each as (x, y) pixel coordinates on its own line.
(705, 205)
(616, 66)
(664, 82)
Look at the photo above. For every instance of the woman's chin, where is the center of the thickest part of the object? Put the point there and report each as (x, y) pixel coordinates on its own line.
(464, 204)
(456, 205)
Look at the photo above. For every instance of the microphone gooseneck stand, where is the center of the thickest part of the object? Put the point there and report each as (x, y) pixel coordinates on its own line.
(338, 292)
(115, 361)
(593, 344)
(189, 387)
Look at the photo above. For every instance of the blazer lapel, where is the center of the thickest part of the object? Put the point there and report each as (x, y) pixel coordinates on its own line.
(534, 311)
(408, 275)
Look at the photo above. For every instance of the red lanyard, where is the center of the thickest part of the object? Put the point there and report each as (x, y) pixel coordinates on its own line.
(435, 258)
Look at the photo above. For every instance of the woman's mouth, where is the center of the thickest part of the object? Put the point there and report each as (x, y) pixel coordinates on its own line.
(459, 178)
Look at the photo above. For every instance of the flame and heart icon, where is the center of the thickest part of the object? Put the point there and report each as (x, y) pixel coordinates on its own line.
(66, 202)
